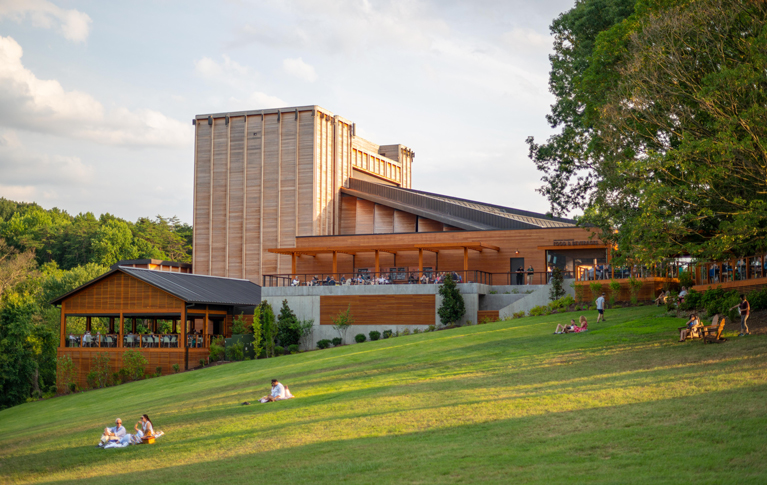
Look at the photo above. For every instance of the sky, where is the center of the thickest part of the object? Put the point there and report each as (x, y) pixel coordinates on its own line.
(97, 97)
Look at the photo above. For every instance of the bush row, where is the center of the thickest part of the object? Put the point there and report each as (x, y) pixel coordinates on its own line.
(720, 301)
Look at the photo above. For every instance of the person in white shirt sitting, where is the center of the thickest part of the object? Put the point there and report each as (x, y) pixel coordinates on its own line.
(295, 281)
(279, 393)
(114, 433)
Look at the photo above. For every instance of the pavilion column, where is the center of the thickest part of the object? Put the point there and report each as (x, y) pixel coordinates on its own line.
(420, 264)
(175, 329)
(120, 339)
(205, 326)
(293, 265)
(88, 324)
(183, 336)
(335, 262)
(465, 264)
(63, 330)
(377, 267)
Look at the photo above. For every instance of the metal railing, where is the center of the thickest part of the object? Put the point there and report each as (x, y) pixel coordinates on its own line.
(138, 341)
(407, 277)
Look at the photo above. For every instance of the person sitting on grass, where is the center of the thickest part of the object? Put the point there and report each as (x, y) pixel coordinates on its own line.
(279, 393)
(112, 434)
(693, 324)
(583, 325)
(565, 328)
(661, 300)
(146, 431)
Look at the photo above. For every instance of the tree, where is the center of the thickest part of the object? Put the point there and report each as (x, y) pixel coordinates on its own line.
(452, 308)
(269, 327)
(672, 155)
(556, 291)
(18, 368)
(256, 328)
(307, 330)
(288, 329)
(239, 326)
(15, 266)
(342, 322)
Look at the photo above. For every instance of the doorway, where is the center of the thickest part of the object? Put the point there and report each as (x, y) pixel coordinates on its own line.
(514, 265)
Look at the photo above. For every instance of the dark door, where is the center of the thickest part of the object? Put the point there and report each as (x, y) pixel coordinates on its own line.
(517, 278)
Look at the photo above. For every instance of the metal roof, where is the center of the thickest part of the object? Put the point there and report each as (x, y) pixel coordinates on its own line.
(462, 213)
(192, 288)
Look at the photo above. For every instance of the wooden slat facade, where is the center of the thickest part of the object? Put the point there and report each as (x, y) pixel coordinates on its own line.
(263, 178)
(119, 291)
(380, 309)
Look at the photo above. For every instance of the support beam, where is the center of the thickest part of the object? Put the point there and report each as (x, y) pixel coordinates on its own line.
(420, 264)
(63, 330)
(465, 264)
(87, 324)
(293, 263)
(205, 327)
(183, 336)
(335, 262)
(377, 267)
(122, 331)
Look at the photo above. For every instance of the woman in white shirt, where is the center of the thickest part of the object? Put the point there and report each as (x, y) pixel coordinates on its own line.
(146, 430)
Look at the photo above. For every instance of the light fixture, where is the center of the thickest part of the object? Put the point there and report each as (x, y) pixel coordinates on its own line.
(516, 252)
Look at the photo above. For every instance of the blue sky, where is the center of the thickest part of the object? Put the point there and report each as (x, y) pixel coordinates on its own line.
(97, 98)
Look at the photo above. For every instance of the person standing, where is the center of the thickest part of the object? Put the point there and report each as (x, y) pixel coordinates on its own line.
(520, 276)
(530, 273)
(601, 308)
(744, 307)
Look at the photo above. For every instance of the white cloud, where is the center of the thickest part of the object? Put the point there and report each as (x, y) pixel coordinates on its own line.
(23, 167)
(72, 24)
(242, 79)
(298, 68)
(524, 39)
(45, 106)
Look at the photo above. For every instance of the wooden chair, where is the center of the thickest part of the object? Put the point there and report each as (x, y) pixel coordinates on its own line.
(713, 332)
(696, 331)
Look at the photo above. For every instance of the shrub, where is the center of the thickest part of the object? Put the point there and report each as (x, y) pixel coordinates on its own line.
(453, 307)
(686, 279)
(133, 364)
(323, 344)
(432, 328)
(562, 303)
(292, 349)
(337, 341)
(176, 368)
(239, 326)
(538, 310)
(262, 354)
(557, 279)
(416, 331)
(518, 315)
(217, 351)
(115, 379)
(387, 333)
(158, 369)
(65, 373)
(634, 286)
(359, 338)
(100, 371)
(342, 322)
(375, 335)
(202, 362)
(268, 327)
(257, 328)
(91, 380)
(493, 292)
(671, 299)
(306, 328)
(406, 332)
(279, 350)
(615, 289)
(596, 289)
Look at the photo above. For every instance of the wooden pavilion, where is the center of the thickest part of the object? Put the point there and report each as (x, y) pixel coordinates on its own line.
(170, 317)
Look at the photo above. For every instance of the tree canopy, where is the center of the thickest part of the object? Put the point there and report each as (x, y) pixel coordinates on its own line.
(661, 106)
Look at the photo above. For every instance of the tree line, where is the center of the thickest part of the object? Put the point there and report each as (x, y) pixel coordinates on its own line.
(45, 253)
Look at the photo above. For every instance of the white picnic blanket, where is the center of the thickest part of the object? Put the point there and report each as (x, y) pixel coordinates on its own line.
(130, 439)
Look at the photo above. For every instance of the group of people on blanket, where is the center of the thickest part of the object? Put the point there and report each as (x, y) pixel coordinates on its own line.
(117, 437)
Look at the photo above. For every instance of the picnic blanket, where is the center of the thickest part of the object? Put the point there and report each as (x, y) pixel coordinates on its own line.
(130, 439)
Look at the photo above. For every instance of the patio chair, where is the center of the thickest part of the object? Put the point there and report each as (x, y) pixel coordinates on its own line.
(713, 333)
(165, 341)
(129, 341)
(156, 341)
(174, 341)
(110, 342)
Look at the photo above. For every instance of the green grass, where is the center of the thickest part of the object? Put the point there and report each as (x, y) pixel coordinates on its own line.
(507, 402)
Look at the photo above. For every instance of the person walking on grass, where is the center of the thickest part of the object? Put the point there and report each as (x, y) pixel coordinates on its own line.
(601, 308)
(744, 307)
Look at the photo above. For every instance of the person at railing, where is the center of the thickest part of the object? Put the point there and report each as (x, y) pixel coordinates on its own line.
(315, 281)
(342, 281)
(295, 281)
(520, 275)
(424, 279)
(87, 339)
(330, 281)
(530, 274)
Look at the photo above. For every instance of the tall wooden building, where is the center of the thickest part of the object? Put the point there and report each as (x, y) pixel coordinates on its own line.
(264, 177)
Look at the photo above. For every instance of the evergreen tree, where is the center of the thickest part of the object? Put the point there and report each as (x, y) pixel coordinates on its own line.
(269, 327)
(453, 307)
(557, 291)
(257, 333)
(288, 329)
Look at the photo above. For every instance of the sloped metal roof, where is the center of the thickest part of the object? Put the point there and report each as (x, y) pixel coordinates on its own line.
(192, 288)
(462, 213)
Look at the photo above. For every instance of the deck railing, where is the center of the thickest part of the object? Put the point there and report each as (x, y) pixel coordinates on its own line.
(406, 277)
(138, 341)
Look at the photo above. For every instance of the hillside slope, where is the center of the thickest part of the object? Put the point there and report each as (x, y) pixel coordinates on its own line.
(497, 403)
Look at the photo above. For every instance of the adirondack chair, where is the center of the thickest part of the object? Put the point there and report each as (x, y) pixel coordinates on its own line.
(713, 333)
(697, 331)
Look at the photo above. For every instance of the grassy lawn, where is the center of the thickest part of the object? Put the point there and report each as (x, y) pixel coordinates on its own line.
(507, 402)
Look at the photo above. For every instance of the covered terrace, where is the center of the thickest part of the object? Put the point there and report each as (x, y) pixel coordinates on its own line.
(167, 316)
